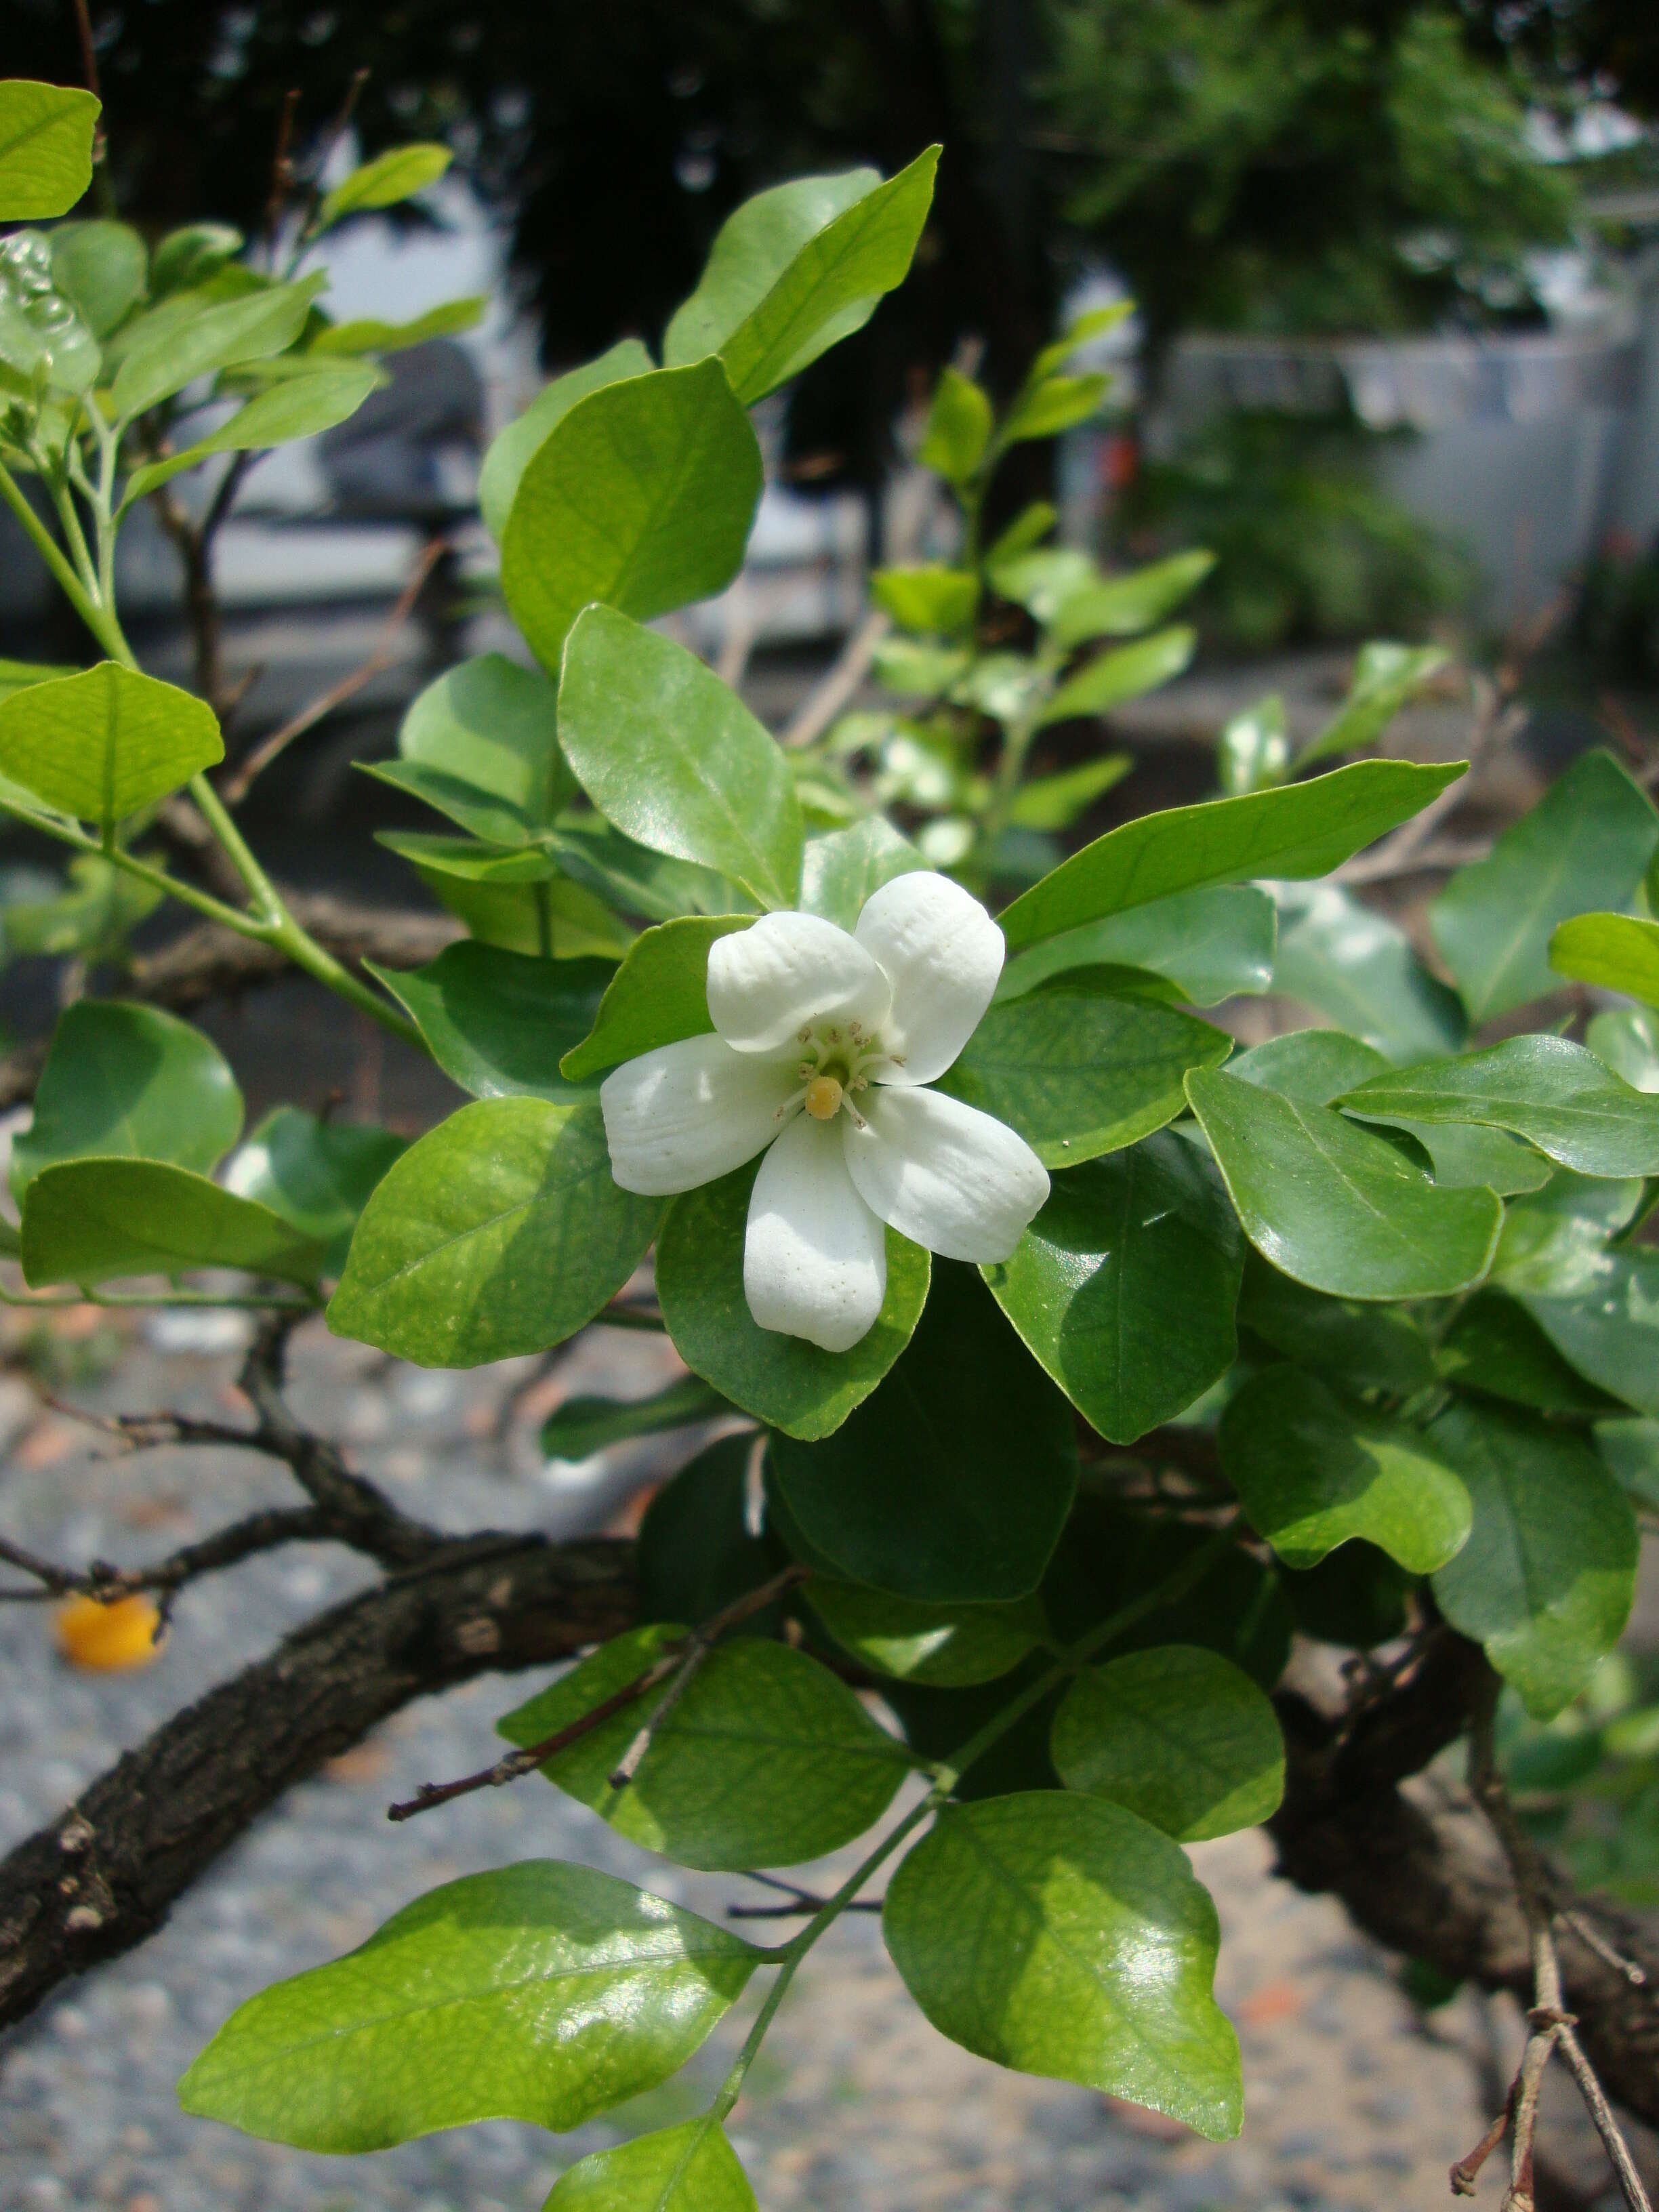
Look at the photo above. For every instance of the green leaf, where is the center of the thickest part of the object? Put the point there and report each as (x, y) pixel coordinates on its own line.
(87, 1220)
(1054, 802)
(658, 995)
(1494, 1345)
(190, 255)
(1044, 408)
(640, 496)
(1253, 752)
(689, 2168)
(542, 1992)
(1584, 845)
(582, 1426)
(91, 918)
(764, 1759)
(298, 407)
(1124, 1285)
(794, 271)
(954, 1481)
(396, 175)
(783, 1381)
(1628, 1038)
(1177, 1735)
(1211, 944)
(1125, 673)
(497, 1023)
(1312, 1065)
(958, 429)
(669, 753)
(1546, 1580)
(164, 359)
(949, 1646)
(1077, 1073)
(1619, 951)
(1334, 1205)
(915, 671)
(514, 897)
(1123, 606)
(1093, 323)
(1042, 579)
(20, 675)
(839, 872)
(482, 745)
(128, 1082)
(46, 148)
(936, 600)
(695, 1551)
(1359, 1347)
(1554, 1237)
(502, 1231)
(1608, 1328)
(1553, 1093)
(1357, 969)
(1462, 1155)
(1305, 830)
(368, 334)
(1630, 1449)
(1062, 1935)
(317, 1176)
(640, 882)
(1384, 678)
(512, 449)
(101, 269)
(103, 744)
(1312, 1472)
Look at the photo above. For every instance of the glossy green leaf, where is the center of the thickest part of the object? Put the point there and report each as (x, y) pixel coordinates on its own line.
(934, 600)
(689, 2168)
(1211, 944)
(1077, 1072)
(502, 1231)
(103, 744)
(1055, 404)
(542, 1991)
(696, 1551)
(1619, 951)
(1054, 802)
(640, 496)
(1545, 1579)
(1305, 830)
(1555, 1094)
(795, 269)
(658, 995)
(88, 1220)
(512, 449)
(1357, 969)
(1462, 1155)
(1554, 1237)
(395, 175)
(953, 1481)
(480, 743)
(298, 407)
(370, 334)
(498, 1023)
(46, 148)
(317, 1176)
(1312, 1065)
(1335, 1207)
(638, 882)
(949, 1646)
(1359, 1347)
(125, 1081)
(1124, 673)
(582, 1426)
(1312, 1472)
(1584, 846)
(1122, 606)
(958, 429)
(784, 1381)
(1063, 1936)
(1628, 1038)
(101, 268)
(1630, 1449)
(1177, 1735)
(839, 872)
(1608, 1329)
(764, 1759)
(191, 254)
(1385, 675)
(514, 897)
(1124, 1285)
(1495, 1346)
(171, 352)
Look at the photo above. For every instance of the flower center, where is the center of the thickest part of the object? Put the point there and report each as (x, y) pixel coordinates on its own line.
(836, 1058)
(824, 1096)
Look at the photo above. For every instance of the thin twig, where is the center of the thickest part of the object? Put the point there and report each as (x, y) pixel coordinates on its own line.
(837, 685)
(802, 1902)
(235, 788)
(282, 175)
(1635, 2197)
(697, 1649)
(1467, 2168)
(226, 1548)
(1593, 1940)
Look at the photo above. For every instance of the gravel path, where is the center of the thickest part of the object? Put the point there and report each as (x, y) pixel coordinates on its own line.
(856, 2100)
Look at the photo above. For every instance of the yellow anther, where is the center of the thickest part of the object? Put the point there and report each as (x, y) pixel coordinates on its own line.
(823, 1097)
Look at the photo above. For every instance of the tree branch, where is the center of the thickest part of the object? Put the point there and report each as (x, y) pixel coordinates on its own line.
(226, 1548)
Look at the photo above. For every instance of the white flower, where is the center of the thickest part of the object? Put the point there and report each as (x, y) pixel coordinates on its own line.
(823, 1049)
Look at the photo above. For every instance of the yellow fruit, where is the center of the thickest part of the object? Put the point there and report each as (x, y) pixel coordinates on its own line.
(107, 1637)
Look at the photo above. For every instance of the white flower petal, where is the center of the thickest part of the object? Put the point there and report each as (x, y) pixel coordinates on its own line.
(687, 1112)
(815, 1258)
(942, 954)
(944, 1174)
(769, 981)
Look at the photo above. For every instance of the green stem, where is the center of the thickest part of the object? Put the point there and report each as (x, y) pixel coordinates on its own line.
(251, 1301)
(46, 546)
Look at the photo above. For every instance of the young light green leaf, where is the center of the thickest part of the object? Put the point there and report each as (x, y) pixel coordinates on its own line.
(1584, 846)
(798, 269)
(764, 1759)
(1051, 405)
(784, 1381)
(839, 872)
(958, 429)
(88, 1220)
(177, 351)
(1124, 1285)
(1546, 1580)
(1178, 1735)
(190, 255)
(542, 1992)
(670, 755)
(481, 744)
(368, 334)
(1077, 1072)
(1313, 1472)
(1054, 802)
(949, 1646)
(640, 496)
(20, 675)
(1211, 944)
(125, 1081)
(1305, 830)
(46, 148)
(1385, 675)
(1126, 672)
(397, 174)
(1123, 606)
(512, 449)
(317, 1176)
(1619, 951)
(1063, 1936)
(1356, 967)
(101, 268)
(658, 995)
(936, 601)
(298, 407)
(582, 1426)
(1334, 1205)
(689, 2168)
(1042, 579)
(101, 745)
(498, 1023)
(502, 1231)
